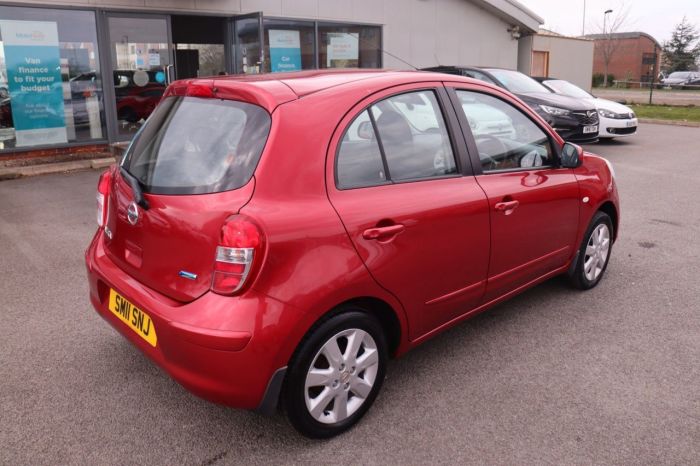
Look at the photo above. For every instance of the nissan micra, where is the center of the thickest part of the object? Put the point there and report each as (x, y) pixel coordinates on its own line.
(274, 240)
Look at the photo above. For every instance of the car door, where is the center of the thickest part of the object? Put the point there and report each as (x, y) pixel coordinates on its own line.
(534, 204)
(402, 186)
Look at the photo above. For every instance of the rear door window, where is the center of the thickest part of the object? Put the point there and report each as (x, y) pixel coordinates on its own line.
(359, 158)
(414, 136)
(191, 145)
(403, 137)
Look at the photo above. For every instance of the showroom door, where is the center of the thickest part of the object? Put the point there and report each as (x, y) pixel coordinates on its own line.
(248, 57)
(140, 61)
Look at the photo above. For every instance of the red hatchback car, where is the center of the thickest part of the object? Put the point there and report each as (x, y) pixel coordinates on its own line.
(278, 238)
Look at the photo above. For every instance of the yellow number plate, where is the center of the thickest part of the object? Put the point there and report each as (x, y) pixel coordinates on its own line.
(135, 318)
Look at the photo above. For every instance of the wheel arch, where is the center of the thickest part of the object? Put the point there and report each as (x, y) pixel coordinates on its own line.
(387, 317)
(383, 311)
(609, 208)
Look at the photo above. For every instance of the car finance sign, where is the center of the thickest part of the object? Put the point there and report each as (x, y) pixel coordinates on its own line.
(33, 62)
(285, 50)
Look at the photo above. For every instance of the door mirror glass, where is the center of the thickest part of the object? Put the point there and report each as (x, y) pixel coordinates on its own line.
(571, 155)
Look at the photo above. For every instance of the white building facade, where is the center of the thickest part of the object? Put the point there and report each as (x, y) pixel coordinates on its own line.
(548, 54)
(94, 69)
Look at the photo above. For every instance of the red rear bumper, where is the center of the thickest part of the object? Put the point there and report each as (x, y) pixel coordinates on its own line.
(211, 345)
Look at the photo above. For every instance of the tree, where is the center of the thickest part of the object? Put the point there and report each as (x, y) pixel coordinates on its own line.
(683, 50)
(609, 45)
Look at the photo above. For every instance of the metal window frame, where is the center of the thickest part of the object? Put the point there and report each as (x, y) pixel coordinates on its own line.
(102, 15)
(92, 142)
(106, 59)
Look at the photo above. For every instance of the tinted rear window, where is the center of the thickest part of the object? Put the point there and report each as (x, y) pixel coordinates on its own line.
(191, 145)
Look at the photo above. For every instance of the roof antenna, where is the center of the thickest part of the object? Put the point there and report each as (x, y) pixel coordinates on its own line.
(389, 53)
(400, 59)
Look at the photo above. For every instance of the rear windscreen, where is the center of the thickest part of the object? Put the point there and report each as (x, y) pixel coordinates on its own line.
(191, 145)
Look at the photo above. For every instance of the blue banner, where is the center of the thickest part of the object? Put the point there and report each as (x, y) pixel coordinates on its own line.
(285, 50)
(33, 62)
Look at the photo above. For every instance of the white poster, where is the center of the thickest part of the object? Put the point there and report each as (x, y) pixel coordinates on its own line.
(153, 58)
(343, 46)
(284, 39)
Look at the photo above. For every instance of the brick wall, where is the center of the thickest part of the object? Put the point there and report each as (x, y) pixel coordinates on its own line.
(58, 154)
(626, 62)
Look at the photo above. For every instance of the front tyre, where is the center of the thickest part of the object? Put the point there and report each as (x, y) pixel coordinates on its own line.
(594, 253)
(336, 375)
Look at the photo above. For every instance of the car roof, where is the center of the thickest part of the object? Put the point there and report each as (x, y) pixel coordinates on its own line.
(272, 89)
(305, 82)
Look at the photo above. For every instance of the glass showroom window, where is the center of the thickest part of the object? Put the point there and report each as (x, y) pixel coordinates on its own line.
(289, 45)
(50, 84)
(344, 46)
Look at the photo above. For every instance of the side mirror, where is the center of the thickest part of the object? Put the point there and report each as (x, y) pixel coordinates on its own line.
(365, 130)
(571, 155)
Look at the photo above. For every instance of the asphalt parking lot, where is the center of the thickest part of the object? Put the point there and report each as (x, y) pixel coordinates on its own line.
(554, 376)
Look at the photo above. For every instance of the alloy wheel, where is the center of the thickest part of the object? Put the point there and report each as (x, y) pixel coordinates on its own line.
(341, 376)
(597, 250)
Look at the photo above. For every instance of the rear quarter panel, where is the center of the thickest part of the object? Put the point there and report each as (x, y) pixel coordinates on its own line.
(310, 263)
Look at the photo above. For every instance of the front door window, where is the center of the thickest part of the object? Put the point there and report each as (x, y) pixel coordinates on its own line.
(505, 138)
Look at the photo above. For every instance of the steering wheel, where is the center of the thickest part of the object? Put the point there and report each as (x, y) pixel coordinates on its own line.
(488, 147)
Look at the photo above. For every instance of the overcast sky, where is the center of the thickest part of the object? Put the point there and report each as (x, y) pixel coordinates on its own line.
(655, 17)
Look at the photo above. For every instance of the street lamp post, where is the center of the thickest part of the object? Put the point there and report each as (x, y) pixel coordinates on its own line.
(583, 26)
(605, 17)
(607, 45)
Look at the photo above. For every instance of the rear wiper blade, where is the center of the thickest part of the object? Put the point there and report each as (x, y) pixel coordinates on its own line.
(135, 187)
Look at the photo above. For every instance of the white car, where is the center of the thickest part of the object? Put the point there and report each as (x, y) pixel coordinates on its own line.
(616, 120)
(681, 79)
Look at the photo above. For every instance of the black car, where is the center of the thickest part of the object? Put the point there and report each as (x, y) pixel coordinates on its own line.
(574, 120)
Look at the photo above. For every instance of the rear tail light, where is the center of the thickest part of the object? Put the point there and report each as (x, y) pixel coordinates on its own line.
(103, 197)
(240, 244)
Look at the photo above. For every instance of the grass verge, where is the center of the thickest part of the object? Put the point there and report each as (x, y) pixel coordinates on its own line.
(667, 112)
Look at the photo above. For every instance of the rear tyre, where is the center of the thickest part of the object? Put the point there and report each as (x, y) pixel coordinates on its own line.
(594, 253)
(335, 375)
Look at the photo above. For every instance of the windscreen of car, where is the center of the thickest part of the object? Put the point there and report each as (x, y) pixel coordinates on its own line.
(517, 82)
(566, 88)
(679, 75)
(191, 145)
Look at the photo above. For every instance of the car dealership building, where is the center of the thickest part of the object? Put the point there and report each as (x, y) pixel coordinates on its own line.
(81, 74)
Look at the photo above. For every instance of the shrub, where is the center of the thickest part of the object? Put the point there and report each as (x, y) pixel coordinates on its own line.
(598, 79)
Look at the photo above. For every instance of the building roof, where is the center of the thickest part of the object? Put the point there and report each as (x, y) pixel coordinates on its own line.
(548, 33)
(623, 35)
(512, 11)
